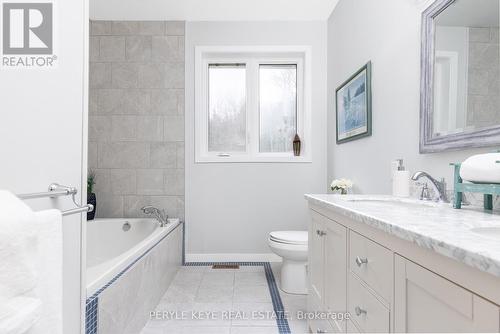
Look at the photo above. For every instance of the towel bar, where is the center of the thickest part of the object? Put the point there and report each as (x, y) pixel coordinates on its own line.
(57, 190)
(85, 208)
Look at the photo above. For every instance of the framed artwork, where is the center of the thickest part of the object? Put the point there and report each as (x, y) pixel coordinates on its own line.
(354, 106)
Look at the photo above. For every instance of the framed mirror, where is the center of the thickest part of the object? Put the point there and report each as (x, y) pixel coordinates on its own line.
(460, 75)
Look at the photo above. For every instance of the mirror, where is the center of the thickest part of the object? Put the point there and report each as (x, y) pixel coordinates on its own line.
(460, 92)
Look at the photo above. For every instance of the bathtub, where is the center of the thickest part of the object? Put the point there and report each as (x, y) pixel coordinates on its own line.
(114, 244)
(130, 265)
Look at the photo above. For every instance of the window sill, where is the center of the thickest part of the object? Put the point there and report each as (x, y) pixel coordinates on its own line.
(246, 159)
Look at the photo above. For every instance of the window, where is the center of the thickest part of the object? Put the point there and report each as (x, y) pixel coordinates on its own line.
(226, 108)
(277, 107)
(251, 103)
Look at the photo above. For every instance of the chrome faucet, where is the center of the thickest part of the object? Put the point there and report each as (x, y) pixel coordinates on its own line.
(160, 215)
(439, 187)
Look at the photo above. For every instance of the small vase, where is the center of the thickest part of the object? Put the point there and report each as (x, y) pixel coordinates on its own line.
(296, 145)
(343, 191)
(91, 199)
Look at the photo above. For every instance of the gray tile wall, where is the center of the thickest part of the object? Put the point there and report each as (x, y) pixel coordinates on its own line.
(136, 122)
(484, 77)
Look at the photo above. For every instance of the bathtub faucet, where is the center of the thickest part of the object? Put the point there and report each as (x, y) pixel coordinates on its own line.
(160, 215)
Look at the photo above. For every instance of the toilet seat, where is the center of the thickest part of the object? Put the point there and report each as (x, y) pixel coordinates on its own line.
(289, 237)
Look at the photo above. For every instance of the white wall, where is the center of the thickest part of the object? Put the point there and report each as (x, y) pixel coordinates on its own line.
(231, 208)
(42, 137)
(387, 32)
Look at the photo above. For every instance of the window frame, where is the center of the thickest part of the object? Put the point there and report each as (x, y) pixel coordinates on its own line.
(253, 57)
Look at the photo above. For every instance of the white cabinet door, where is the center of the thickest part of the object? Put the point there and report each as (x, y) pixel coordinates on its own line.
(335, 282)
(316, 269)
(316, 259)
(427, 302)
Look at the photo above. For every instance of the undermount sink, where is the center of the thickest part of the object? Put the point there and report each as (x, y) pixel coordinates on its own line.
(491, 232)
(402, 202)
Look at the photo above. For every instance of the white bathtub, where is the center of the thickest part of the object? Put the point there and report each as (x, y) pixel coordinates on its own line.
(111, 248)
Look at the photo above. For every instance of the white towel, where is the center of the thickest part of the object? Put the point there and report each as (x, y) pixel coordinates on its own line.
(30, 268)
(17, 271)
(19, 314)
(481, 168)
(49, 259)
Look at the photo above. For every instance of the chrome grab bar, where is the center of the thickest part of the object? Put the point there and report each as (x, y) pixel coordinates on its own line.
(57, 190)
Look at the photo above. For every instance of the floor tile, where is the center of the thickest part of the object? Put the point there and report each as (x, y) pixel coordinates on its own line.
(254, 330)
(206, 330)
(179, 294)
(152, 330)
(212, 314)
(250, 278)
(160, 327)
(217, 278)
(214, 294)
(253, 314)
(251, 294)
(165, 305)
(186, 278)
(203, 289)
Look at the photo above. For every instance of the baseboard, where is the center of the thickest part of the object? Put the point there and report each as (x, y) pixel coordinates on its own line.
(230, 257)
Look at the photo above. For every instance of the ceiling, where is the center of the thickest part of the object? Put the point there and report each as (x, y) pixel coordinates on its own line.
(212, 10)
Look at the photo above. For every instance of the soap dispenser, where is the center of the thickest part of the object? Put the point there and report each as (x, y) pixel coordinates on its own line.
(400, 180)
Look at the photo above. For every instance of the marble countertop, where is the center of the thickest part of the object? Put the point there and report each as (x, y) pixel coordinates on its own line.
(434, 226)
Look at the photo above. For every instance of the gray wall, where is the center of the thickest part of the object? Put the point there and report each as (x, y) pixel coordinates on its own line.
(231, 207)
(387, 32)
(484, 77)
(136, 122)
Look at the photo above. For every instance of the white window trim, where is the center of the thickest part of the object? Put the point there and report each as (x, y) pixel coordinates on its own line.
(252, 56)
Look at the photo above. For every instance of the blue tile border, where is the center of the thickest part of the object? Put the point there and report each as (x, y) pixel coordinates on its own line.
(91, 316)
(279, 310)
(92, 302)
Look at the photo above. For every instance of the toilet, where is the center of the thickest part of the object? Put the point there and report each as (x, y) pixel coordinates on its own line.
(292, 247)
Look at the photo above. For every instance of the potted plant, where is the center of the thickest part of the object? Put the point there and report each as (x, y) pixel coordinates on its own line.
(343, 185)
(91, 198)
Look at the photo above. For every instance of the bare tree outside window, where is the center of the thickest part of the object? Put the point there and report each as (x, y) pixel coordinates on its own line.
(278, 107)
(227, 108)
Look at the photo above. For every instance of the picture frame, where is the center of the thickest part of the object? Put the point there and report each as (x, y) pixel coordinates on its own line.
(353, 106)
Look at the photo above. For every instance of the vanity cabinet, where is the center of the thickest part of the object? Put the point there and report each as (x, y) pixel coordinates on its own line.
(426, 302)
(327, 270)
(373, 277)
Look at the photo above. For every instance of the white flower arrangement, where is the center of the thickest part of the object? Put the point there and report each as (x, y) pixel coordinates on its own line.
(343, 185)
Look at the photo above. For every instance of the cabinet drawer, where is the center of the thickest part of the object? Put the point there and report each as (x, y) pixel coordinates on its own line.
(372, 263)
(368, 313)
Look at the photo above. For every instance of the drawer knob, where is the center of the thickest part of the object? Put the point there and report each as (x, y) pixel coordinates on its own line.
(359, 311)
(320, 233)
(360, 261)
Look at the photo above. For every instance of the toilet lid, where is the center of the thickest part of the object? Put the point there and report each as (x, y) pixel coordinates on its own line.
(289, 237)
